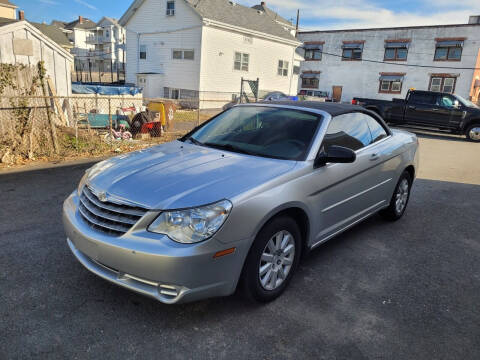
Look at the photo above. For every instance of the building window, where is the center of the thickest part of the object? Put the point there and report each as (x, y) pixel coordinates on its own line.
(448, 50)
(183, 54)
(170, 8)
(296, 70)
(282, 68)
(143, 52)
(396, 51)
(313, 51)
(352, 51)
(391, 83)
(443, 84)
(241, 61)
(310, 80)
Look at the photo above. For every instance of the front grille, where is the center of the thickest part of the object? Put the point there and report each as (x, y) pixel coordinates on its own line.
(108, 217)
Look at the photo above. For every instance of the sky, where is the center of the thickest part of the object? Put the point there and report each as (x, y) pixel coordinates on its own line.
(314, 14)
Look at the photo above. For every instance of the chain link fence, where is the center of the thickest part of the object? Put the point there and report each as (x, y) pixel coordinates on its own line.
(48, 127)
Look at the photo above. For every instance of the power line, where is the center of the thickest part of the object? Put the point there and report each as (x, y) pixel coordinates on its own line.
(398, 64)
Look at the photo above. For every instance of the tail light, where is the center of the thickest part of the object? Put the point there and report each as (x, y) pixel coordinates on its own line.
(354, 102)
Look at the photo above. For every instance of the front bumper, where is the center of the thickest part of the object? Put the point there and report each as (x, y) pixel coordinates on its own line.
(152, 264)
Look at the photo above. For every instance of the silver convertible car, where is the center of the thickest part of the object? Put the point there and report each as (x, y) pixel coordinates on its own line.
(237, 201)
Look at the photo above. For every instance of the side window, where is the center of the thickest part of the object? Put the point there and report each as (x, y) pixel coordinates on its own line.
(376, 129)
(423, 98)
(446, 101)
(348, 130)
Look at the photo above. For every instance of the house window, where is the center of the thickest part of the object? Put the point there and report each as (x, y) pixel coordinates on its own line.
(450, 50)
(310, 81)
(313, 52)
(241, 61)
(183, 54)
(282, 68)
(170, 8)
(296, 70)
(143, 52)
(396, 51)
(443, 84)
(390, 84)
(352, 51)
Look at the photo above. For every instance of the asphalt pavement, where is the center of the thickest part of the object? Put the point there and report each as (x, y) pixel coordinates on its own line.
(404, 290)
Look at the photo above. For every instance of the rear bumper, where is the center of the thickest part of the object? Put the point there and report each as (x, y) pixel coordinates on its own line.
(152, 264)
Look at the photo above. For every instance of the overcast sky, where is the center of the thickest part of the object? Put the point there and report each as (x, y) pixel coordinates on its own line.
(314, 14)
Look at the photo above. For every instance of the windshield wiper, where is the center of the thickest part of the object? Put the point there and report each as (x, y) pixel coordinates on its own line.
(195, 141)
(229, 147)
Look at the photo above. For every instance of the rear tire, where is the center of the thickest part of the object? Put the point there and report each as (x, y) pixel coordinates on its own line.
(400, 198)
(473, 133)
(272, 260)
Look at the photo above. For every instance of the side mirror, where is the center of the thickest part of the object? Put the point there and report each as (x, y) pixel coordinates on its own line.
(335, 154)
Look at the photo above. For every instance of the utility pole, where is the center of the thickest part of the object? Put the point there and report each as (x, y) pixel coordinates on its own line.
(296, 27)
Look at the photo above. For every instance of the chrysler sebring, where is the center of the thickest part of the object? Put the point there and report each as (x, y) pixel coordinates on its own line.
(237, 201)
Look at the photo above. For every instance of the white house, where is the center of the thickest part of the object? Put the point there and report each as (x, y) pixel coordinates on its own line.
(385, 63)
(178, 48)
(22, 43)
(96, 46)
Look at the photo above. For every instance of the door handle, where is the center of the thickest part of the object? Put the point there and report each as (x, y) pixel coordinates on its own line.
(435, 109)
(412, 107)
(374, 157)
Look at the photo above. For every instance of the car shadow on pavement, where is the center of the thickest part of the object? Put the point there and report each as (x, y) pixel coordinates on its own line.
(410, 287)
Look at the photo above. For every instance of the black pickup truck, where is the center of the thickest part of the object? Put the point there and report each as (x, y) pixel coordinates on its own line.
(431, 110)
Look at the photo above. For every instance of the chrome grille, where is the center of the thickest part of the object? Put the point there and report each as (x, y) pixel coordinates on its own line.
(108, 217)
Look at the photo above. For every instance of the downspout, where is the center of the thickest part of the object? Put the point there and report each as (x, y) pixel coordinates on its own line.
(291, 76)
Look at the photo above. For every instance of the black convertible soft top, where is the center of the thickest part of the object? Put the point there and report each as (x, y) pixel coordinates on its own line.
(333, 109)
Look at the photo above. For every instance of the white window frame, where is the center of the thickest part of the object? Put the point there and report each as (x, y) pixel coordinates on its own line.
(283, 70)
(182, 51)
(440, 87)
(242, 62)
(170, 12)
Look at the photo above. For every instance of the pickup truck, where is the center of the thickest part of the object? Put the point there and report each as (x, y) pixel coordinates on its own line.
(431, 110)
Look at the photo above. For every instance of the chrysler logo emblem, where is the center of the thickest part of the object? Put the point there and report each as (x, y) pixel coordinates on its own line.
(102, 197)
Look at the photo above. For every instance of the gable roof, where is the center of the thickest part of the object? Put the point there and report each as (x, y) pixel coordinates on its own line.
(54, 33)
(273, 15)
(25, 25)
(6, 21)
(227, 12)
(109, 19)
(86, 24)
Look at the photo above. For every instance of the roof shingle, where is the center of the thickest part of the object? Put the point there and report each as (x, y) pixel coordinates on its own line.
(234, 14)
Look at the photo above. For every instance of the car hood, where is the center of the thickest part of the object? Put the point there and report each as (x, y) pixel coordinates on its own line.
(181, 175)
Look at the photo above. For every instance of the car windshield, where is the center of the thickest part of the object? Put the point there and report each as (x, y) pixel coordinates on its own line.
(466, 102)
(273, 132)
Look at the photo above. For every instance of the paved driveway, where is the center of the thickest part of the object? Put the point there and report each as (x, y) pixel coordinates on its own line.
(386, 291)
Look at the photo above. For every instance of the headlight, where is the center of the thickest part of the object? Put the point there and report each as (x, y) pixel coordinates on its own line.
(192, 225)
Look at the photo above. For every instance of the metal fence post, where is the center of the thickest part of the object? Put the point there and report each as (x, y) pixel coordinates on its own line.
(110, 116)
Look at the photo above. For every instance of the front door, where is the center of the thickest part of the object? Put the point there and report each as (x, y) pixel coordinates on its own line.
(337, 93)
(346, 193)
(449, 113)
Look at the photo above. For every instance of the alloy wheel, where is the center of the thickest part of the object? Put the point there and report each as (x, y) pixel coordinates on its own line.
(475, 133)
(401, 197)
(276, 260)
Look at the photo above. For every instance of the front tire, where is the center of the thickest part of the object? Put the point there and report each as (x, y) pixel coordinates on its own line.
(473, 133)
(272, 260)
(400, 198)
